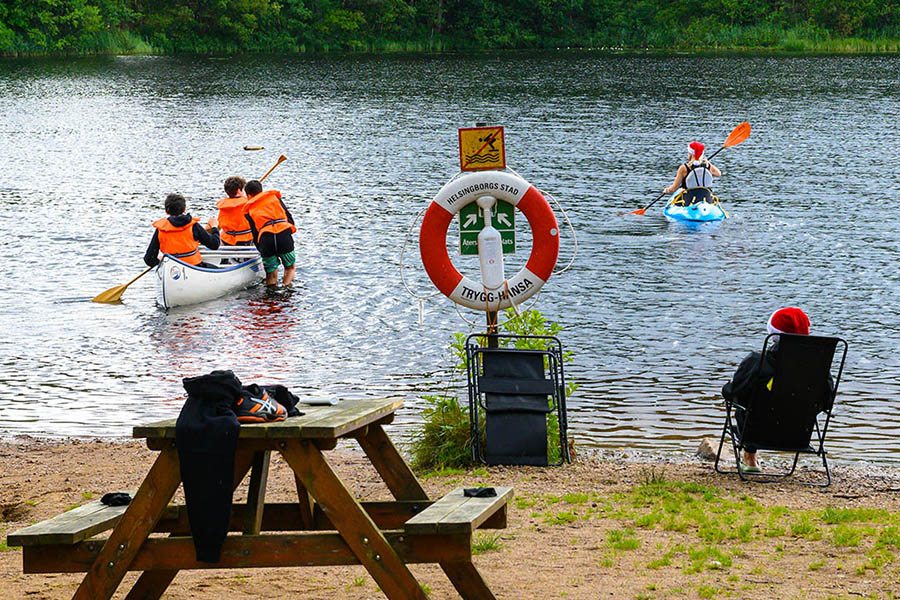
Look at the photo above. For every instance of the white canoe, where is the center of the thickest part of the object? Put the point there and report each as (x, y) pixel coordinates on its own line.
(181, 284)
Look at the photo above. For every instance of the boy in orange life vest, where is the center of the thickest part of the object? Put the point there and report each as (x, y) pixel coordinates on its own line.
(272, 226)
(180, 235)
(233, 228)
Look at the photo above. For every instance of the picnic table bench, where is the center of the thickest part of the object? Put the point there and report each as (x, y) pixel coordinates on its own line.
(327, 526)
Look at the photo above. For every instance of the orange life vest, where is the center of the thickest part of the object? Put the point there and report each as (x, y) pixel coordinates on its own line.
(267, 213)
(233, 227)
(179, 241)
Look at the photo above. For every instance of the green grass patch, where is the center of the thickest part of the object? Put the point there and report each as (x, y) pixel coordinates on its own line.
(485, 542)
(562, 518)
(889, 538)
(619, 539)
(845, 535)
(705, 591)
(575, 498)
(816, 565)
(707, 558)
(834, 516)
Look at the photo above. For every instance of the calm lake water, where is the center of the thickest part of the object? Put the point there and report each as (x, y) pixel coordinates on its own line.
(657, 317)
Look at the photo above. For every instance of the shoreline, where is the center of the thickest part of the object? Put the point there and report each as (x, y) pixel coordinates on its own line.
(836, 47)
(607, 526)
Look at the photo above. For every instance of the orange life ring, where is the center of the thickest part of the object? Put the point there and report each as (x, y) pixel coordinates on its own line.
(503, 186)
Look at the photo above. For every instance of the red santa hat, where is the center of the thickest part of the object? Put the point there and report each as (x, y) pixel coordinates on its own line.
(696, 149)
(788, 320)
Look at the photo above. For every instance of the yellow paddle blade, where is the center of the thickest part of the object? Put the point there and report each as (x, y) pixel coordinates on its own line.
(740, 133)
(113, 295)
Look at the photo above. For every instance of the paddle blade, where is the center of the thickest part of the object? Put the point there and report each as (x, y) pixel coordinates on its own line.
(740, 133)
(639, 211)
(111, 295)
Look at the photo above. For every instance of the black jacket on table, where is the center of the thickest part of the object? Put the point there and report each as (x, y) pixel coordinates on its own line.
(206, 435)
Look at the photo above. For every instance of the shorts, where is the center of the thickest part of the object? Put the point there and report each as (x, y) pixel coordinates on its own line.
(275, 248)
(271, 262)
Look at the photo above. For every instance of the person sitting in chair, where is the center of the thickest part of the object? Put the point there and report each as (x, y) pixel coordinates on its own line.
(695, 177)
(754, 377)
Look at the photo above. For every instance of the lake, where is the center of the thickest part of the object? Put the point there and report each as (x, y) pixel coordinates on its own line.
(657, 317)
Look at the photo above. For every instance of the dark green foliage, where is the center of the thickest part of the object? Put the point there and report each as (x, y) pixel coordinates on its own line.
(232, 26)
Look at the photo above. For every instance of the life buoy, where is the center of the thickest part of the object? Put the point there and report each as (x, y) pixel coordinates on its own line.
(503, 186)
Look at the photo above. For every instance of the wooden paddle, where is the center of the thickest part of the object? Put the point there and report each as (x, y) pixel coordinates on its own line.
(115, 294)
(283, 158)
(738, 135)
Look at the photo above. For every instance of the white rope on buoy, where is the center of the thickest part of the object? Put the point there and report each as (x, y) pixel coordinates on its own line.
(571, 228)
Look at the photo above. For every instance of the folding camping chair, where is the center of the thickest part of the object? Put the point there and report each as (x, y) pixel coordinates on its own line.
(511, 400)
(797, 406)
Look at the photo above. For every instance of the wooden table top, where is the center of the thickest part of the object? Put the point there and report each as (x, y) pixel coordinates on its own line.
(317, 422)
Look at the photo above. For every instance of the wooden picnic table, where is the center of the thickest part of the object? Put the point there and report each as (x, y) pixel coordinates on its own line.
(326, 526)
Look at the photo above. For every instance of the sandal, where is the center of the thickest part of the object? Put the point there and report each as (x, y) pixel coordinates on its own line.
(749, 468)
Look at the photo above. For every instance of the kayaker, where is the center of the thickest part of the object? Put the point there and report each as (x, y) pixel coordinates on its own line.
(180, 235)
(753, 378)
(695, 176)
(233, 229)
(273, 227)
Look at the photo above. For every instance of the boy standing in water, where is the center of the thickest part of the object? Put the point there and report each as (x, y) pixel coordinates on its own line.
(233, 227)
(180, 235)
(272, 227)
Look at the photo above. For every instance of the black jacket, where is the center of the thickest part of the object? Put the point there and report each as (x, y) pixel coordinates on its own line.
(752, 378)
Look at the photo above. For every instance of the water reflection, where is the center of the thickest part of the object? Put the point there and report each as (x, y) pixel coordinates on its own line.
(658, 317)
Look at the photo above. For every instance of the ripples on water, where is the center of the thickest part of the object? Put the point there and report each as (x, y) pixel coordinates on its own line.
(657, 317)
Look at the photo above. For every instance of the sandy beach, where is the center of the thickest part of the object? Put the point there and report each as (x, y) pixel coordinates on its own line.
(606, 526)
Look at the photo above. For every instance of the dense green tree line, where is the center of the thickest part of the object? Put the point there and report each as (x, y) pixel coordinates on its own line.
(214, 26)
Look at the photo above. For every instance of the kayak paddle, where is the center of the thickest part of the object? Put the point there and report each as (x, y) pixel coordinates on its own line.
(114, 294)
(738, 135)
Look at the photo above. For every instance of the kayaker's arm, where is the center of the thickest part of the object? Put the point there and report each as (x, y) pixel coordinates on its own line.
(714, 170)
(151, 256)
(210, 238)
(679, 177)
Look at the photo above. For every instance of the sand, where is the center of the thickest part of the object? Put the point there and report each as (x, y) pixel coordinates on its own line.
(576, 531)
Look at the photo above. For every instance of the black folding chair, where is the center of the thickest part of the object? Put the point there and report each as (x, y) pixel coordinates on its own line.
(511, 398)
(793, 413)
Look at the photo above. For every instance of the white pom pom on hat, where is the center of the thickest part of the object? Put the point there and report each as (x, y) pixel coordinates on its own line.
(788, 320)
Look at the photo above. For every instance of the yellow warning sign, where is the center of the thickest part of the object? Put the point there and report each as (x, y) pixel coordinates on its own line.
(481, 148)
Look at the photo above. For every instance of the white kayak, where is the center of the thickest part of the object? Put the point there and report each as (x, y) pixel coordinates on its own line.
(181, 284)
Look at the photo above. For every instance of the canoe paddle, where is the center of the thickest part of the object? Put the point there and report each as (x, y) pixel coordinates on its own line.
(114, 294)
(738, 135)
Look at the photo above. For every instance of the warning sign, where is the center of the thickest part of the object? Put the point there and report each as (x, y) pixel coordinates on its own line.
(481, 148)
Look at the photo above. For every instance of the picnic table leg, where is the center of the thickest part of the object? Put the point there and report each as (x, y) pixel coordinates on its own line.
(151, 585)
(467, 580)
(352, 522)
(128, 536)
(390, 465)
(307, 505)
(256, 494)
